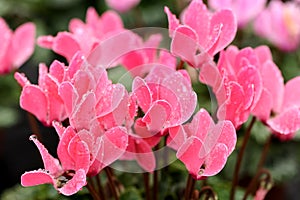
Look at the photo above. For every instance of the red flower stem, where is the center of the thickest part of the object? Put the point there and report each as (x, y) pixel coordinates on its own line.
(259, 167)
(155, 185)
(100, 188)
(111, 183)
(180, 65)
(147, 186)
(34, 126)
(240, 158)
(190, 184)
(92, 191)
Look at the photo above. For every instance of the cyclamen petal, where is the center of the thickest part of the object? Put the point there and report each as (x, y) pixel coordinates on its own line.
(36, 177)
(77, 182)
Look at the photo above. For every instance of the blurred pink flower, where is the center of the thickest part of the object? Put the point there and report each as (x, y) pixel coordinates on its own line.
(16, 47)
(68, 174)
(165, 97)
(42, 100)
(245, 10)
(83, 37)
(280, 24)
(202, 145)
(201, 33)
(122, 5)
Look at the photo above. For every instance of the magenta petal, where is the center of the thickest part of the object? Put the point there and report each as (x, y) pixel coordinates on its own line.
(188, 154)
(111, 22)
(79, 152)
(66, 45)
(69, 95)
(184, 44)
(51, 164)
(62, 149)
(157, 115)
(21, 79)
(291, 94)
(215, 161)
(210, 75)
(23, 43)
(36, 177)
(58, 128)
(45, 41)
(34, 100)
(200, 124)
(57, 70)
(287, 122)
(75, 184)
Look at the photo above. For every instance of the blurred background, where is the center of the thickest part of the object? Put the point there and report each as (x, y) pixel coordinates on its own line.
(18, 154)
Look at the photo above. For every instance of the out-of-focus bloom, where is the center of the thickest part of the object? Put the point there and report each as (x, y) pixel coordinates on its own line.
(245, 10)
(83, 37)
(236, 82)
(143, 56)
(280, 24)
(166, 98)
(202, 145)
(122, 5)
(42, 100)
(68, 174)
(201, 32)
(16, 47)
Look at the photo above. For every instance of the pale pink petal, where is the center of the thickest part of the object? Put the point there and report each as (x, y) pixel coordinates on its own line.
(51, 164)
(45, 41)
(260, 194)
(228, 28)
(69, 95)
(215, 161)
(75, 64)
(21, 79)
(286, 123)
(77, 182)
(111, 22)
(142, 92)
(114, 144)
(184, 44)
(144, 155)
(92, 17)
(76, 26)
(263, 108)
(36, 177)
(263, 53)
(173, 21)
(210, 75)
(66, 45)
(157, 115)
(33, 100)
(57, 70)
(177, 136)
(273, 83)
(291, 94)
(58, 128)
(84, 112)
(122, 5)
(197, 17)
(249, 78)
(5, 55)
(23, 43)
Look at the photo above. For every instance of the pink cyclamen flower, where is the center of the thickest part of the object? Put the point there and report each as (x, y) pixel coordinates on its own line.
(202, 145)
(201, 32)
(280, 24)
(165, 97)
(16, 47)
(42, 100)
(83, 37)
(245, 10)
(122, 5)
(68, 174)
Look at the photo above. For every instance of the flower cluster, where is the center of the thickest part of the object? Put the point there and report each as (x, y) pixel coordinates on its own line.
(99, 122)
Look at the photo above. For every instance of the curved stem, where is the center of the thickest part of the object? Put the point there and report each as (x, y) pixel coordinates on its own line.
(209, 191)
(259, 167)
(147, 186)
(92, 191)
(239, 159)
(100, 188)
